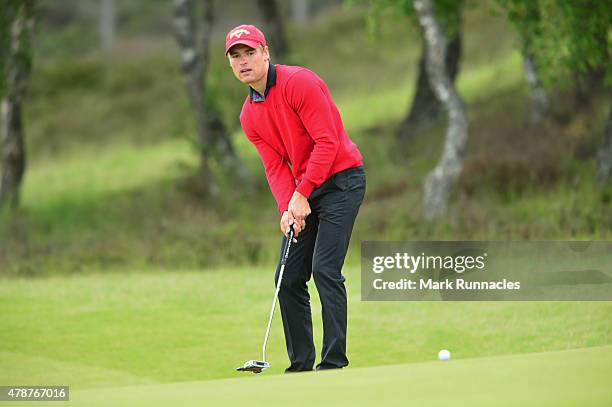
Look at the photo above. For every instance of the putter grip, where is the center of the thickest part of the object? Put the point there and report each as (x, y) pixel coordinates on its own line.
(287, 246)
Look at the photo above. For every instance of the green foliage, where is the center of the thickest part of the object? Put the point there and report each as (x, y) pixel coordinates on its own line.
(448, 12)
(525, 17)
(66, 76)
(566, 37)
(64, 43)
(224, 93)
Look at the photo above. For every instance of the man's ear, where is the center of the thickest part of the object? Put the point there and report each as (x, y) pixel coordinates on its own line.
(266, 51)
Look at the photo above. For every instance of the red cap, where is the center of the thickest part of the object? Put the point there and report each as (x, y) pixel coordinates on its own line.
(248, 35)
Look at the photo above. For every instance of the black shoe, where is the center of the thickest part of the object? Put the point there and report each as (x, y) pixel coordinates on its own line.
(287, 371)
(319, 368)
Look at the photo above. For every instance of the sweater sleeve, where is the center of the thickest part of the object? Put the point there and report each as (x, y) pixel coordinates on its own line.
(307, 96)
(278, 173)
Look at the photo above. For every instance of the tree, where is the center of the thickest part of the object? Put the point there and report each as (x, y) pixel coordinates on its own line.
(300, 10)
(524, 15)
(425, 108)
(438, 69)
(604, 155)
(17, 20)
(214, 141)
(571, 45)
(438, 182)
(539, 97)
(275, 27)
(107, 24)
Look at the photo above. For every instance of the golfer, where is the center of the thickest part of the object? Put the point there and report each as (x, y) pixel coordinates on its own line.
(317, 177)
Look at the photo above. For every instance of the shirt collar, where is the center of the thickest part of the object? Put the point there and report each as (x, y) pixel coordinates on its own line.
(254, 96)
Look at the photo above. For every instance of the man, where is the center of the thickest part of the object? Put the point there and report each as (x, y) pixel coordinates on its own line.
(316, 175)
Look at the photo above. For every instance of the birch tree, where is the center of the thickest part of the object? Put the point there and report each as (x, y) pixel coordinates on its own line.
(213, 139)
(570, 43)
(539, 97)
(17, 20)
(425, 107)
(300, 10)
(275, 27)
(604, 154)
(524, 15)
(107, 24)
(439, 182)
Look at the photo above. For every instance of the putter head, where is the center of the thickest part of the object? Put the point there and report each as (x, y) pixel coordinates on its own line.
(254, 366)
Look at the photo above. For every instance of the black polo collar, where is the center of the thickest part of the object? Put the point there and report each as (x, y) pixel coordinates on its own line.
(254, 96)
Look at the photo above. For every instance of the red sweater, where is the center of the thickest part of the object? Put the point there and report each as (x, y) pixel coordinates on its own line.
(298, 133)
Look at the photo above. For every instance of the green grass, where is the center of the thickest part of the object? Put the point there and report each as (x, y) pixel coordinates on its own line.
(567, 378)
(165, 326)
(93, 175)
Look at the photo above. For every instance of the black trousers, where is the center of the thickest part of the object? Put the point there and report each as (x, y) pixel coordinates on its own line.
(320, 251)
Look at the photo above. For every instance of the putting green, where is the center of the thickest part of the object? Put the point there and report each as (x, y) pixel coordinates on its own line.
(564, 378)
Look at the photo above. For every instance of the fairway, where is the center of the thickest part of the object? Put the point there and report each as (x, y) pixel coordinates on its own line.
(565, 378)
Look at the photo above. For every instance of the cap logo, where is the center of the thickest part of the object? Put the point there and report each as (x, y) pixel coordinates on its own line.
(238, 33)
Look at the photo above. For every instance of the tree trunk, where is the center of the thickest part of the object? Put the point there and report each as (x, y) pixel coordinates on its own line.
(587, 84)
(300, 10)
(275, 27)
(107, 24)
(223, 147)
(604, 155)
(425, 107)
(439, 182)
(213, 138)
(539, 98)
(192, 66)
(12, 137)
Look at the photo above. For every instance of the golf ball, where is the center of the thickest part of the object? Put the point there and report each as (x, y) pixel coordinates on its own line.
(444, 354)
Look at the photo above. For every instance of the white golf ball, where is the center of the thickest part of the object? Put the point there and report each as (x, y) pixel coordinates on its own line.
(444, 354)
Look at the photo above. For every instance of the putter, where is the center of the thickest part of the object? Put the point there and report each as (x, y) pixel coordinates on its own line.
(258, 366)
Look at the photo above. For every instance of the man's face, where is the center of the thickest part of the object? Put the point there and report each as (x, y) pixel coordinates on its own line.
(249, 65)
